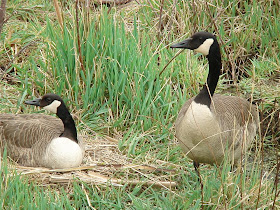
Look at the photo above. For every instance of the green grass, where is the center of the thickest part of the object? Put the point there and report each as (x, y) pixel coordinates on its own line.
(119, 91)
(17, 193)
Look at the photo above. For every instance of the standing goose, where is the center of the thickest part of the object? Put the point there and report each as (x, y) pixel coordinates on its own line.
(210, 124)
(42, 140)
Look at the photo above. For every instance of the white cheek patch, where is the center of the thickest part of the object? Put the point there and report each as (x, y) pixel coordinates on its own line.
(205, 46)
(53, 106)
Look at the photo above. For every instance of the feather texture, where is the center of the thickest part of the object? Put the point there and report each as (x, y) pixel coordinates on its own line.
(211, 126)
(27, 136)
(237, 123)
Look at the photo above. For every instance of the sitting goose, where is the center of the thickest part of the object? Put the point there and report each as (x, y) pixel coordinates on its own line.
(209, 124)
(42, 140)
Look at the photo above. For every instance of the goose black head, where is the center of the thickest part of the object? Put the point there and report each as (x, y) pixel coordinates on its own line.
(201, 42)
(50, 102)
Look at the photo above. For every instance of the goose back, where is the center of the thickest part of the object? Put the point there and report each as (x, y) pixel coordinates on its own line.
(42, 140)
(26, 136)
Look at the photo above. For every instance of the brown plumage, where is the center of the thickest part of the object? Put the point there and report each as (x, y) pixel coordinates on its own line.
(22, 135)
(209, 125)
(42, 140)
(238, 123)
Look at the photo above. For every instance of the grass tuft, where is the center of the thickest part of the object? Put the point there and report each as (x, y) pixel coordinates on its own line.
(112, 71)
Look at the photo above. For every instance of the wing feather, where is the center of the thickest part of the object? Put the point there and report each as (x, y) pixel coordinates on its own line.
(26, 130)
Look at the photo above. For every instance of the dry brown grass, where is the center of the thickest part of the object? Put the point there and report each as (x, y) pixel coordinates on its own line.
(103, 163)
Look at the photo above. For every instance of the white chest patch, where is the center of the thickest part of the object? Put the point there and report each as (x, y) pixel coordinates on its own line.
(63, 153)
(199, 134)
(53, 106)
(200, 123)
(205, 47)
(199, 115)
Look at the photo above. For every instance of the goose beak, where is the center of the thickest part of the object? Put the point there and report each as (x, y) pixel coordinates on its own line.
(184, 44)
(35, 102)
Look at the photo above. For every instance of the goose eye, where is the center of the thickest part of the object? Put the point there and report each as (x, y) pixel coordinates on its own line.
(48, 100)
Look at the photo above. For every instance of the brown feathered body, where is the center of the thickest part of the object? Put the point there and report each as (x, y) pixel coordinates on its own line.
(206, 134)
(27, 136)
(210, 126)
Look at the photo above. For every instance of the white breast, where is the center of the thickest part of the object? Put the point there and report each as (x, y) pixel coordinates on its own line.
(63, 153)
(200, 120)
(199, 133)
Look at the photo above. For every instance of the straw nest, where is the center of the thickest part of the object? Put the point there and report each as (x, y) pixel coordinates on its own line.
(104, 164)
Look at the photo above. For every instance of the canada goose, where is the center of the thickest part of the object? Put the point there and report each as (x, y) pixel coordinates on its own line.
(209, 124)
(42, 140)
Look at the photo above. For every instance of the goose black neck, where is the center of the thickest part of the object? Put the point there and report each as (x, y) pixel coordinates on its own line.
(215, 65)
(68, 122)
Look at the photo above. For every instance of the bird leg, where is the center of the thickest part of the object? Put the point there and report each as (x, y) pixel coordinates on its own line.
(196, 165)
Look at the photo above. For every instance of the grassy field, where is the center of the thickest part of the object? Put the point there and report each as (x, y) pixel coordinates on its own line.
(113, 71)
